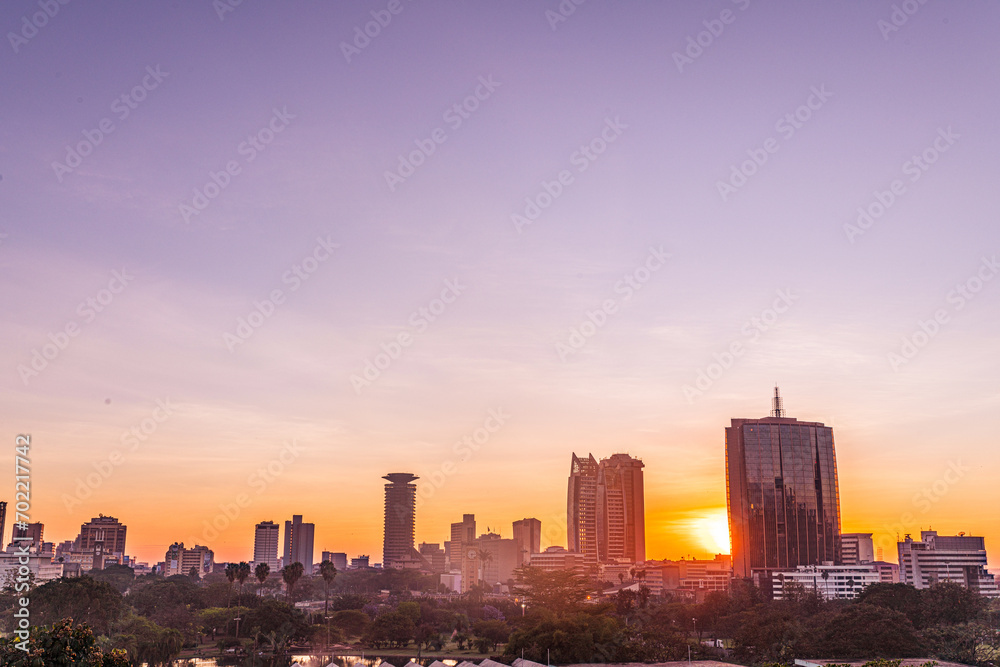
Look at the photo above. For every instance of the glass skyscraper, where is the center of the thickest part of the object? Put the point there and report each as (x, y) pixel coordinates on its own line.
(782, 493)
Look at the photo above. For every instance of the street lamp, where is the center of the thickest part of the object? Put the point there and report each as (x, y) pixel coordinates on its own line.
(694, 627)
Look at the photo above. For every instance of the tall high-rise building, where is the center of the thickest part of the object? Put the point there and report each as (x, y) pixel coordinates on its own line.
(265, 544)
(400, 518)
(581, 509)
(606, 518)
(464, 531)
(782, 493)
(528, 536)
(621, 516)
(960, 559)
(299, 543)
(3, 519)
(461, 533)
(856, 548)
(104, 535)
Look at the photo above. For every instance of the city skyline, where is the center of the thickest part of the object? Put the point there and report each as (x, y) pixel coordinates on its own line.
(402, 486)
(286, 259)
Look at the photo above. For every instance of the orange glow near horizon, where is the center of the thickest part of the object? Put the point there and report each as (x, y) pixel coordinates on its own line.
(191, 472)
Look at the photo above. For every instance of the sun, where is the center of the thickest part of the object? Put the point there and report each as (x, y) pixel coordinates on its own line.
(712, 531)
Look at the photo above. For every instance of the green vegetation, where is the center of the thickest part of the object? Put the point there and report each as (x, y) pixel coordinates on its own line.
(112, 618)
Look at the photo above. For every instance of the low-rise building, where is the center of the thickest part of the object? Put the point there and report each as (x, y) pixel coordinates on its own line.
(558, 558)
(338, 558)
(434, 555)
(39, 564)
(856, 548)
(179, 560)
(888, 572)
(688, 577)
(829, 581)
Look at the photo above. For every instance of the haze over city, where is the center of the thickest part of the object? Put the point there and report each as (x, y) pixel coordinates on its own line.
(345, 261)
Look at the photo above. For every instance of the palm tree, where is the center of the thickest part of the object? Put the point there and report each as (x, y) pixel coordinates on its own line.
(243, 573)
(231, 576)
(328, 571)
(261, 572)
(485, 556)
(291, 574)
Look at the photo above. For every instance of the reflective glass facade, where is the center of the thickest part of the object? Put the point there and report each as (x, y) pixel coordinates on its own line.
(783, 496)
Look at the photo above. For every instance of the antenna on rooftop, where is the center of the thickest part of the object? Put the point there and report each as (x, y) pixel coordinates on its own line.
(777, 407)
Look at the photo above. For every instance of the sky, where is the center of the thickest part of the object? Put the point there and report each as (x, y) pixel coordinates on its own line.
(255, 256)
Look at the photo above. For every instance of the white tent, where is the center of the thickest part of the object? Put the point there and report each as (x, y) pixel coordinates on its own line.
(437, 663)
(526, 663)
(491, 663)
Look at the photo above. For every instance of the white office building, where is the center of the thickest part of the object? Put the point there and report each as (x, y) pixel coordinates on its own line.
(960, 559)
(265, 544)
(829, 581)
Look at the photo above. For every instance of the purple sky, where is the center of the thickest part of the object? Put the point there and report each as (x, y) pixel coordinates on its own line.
(886, 97)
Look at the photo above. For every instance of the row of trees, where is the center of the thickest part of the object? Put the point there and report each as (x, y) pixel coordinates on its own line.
(151, 615)
(562, 619)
